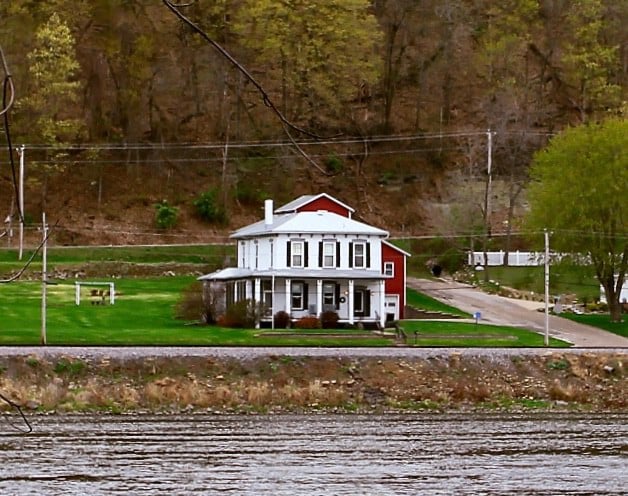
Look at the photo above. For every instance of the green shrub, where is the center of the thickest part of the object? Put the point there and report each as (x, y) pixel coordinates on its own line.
(69, 367)
(166, 216)
(334, 164)
(208, 207)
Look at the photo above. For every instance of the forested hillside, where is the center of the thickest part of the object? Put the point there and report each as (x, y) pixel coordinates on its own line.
(121, 105)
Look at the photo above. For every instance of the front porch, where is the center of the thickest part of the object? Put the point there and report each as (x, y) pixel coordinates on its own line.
(354, 301)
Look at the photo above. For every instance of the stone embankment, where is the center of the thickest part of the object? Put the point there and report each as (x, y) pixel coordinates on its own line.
(283, 383)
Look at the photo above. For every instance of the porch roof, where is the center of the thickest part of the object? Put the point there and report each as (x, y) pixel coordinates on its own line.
(232, 273)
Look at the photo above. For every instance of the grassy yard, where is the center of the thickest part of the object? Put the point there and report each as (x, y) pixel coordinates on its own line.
(564, 279)
(602, 321)
(203, 255)
(421, 301)
(466, 334)
(144, 314)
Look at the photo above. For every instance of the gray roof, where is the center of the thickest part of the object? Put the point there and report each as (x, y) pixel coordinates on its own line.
(232, 273)
(305, 199)
(321, 222)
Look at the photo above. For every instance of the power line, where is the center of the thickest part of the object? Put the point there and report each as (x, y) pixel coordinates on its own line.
(257, 143)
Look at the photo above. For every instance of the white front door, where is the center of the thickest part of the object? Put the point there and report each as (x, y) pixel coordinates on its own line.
(391, 304)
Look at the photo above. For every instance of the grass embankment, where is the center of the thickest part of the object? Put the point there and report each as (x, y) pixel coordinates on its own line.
(591, 382)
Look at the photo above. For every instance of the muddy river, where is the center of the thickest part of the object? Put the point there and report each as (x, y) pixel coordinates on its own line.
(427, 454)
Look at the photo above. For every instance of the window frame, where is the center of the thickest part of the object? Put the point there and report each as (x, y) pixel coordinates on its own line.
(389, 269)
(331, 245)
(331, 286)
(361, 244)
(293, 244)
(297, 294)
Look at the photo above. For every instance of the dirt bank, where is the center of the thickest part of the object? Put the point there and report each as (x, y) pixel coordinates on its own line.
(593, 382)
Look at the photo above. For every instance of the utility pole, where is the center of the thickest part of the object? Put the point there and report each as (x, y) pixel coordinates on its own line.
(547, 280)
(487, 199)
(20, 200)
(44, 281)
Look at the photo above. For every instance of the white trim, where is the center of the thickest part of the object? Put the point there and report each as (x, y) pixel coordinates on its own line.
(392, 269)
(364, 264)
(331, 244)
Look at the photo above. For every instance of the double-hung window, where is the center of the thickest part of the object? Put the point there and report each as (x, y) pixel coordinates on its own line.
(359, 255)
(329, 254)
(297, 254)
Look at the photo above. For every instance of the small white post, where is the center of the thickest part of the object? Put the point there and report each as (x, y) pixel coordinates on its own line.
(112, 293)
(77, 293)
(272, 301)
(21, 200)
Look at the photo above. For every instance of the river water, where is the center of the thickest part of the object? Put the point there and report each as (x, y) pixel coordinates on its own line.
(420, 454)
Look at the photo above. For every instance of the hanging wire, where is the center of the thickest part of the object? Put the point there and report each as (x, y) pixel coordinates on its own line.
(285, 122)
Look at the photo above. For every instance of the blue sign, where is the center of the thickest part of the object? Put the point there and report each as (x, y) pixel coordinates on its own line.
(477, 316)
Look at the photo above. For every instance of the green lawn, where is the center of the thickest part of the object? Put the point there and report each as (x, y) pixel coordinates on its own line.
(421, 301)
(603, 321)
(144, 314)
(467, 334)
(211, 255)
(564, 279)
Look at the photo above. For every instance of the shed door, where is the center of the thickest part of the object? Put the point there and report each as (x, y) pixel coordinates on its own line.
(391, 304)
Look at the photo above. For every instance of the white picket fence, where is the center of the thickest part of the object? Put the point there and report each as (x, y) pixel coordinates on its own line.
(515, 258)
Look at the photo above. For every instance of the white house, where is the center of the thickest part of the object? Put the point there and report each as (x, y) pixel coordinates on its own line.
(310, 256)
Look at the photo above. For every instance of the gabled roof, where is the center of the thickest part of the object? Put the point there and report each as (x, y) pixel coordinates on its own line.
(321, 222)
(294, 205)
(394, 247)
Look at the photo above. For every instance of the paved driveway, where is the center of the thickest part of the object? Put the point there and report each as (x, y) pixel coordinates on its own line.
(519, 313)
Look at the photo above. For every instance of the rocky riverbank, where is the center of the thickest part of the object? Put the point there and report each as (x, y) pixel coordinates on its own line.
(284, 383)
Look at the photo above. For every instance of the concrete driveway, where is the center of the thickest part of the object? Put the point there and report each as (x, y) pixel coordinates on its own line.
(520, 313)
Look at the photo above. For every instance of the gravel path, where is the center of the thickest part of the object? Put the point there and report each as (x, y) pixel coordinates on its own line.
(250, 353)
(505, 311)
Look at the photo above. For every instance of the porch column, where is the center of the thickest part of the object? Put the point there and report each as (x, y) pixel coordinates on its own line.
(319, 297)
(257, 297)
(382, 303)
(350, 301)
(288, 296)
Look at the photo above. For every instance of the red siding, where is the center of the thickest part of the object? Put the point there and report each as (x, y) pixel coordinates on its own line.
(324, 203)
(396, 285)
